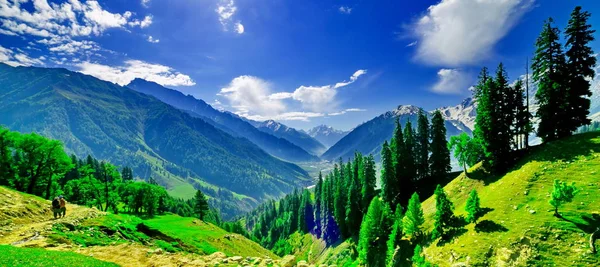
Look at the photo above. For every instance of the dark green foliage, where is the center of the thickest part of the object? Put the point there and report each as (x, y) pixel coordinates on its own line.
(409, 153)
(306, 221)
(439, 159)
(561, 193)
(422, 146)
(368, 184)
(444, 212)
(393, 257)
(414, 218)
(418, 259)
(353, 212)
(473, 207)
(549, 67)
(522, 124)
(374, 232)
(580, 68)
(318, 205)
(200, 205)
(127, 174)
(389, 184)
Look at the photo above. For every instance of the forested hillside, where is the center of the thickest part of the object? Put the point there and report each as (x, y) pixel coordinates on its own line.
(273, 144)
(132, 129)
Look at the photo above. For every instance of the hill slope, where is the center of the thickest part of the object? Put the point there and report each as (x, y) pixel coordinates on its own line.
(132, 129)
(275, 145)
(518, 227)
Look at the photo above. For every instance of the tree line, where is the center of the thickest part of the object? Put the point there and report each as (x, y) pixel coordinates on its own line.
(40, 166)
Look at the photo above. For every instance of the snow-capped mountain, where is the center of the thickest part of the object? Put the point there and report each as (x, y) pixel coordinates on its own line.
(464, 113)
(299, 138)
(327, 135)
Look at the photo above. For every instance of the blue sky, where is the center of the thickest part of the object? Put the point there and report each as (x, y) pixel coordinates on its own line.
(303, 63)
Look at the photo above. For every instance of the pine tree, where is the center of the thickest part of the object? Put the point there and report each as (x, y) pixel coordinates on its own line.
(549, 66)
(422, 146)
(401, 182)
(483, 121)
(473, 207)
(200, 205)
(374, 233)
(306, 220)
(389, 190)
(353, 214)
(440, 155)
(340, 198)
(318, 205)
(409, 154)
(413, 219)
(580, 69)
(368, 185)
(394, 258)
(522, 123)
(444, 212)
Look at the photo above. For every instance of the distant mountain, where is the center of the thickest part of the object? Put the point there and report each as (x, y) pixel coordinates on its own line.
(128, 128)
(464, 113)
(368, 137)
(298, 138)
(327, 135)
(230, 123)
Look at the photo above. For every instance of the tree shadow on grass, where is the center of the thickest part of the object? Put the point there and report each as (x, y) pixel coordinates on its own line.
(450, 235)
(487, 226)
(485, 211)
(592, 222)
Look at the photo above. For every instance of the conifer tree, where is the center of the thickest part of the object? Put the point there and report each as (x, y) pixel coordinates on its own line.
(340, 198)
(368, 186)
(389, 190)
(422, 146)
(549, 66)
(580, 69)
(440, 155)
(418, 259)
(318, 204)
(483, 120)
(374, 233)
(306, 220)
(414, 218)
(394, 258)
(444, 212)
(473, 207)
(402, 184)
(522, 124)
(353, 214)
(409, 154)
(200, 205)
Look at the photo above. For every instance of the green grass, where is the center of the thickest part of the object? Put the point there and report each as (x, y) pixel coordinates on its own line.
(14, 256)
(183, 191)
(518, 226)
(205, 237)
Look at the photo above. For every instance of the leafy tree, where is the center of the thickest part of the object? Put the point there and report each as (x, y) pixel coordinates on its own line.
(549, 66)
(413, 219)
(439, 159)
(473, 207)
(374, 232)
(389, 190)
(422, 146)
(7, 144)
(200, 204)
(561, 193)
(444, 212)
(467, 150)
(580, 68)
(394, 258)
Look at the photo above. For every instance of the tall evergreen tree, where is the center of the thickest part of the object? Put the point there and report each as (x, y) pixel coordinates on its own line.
(414, 218)
(389, 190)
(409, 154)
(353, 214)
(374, 232)
(402, 185)
(473, 207)
(200, 205)
(369, 183)
(439, 159)
(549, 67)
(318, 204)
(393, 257)
(580, 69)
(522, 123)
(483, 121)
(444, 212)
(422, 146)
(306, 221)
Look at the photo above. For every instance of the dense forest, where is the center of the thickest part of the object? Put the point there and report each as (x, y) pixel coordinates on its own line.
(386, 224)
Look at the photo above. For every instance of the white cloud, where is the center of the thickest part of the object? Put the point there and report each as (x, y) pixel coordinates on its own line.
(145, 3)
(132, 69)
(353, 78)
(454, 32)
(345, 9)
(239, 28)
(226, 10)
(71, 47)
(249, 94)
(152, 40)
(346, 111)
(451, 81)
(14, 59)
(412, 44)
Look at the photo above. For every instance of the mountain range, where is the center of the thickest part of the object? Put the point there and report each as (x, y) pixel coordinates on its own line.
(326, 135)
(299, 138)
(128, 128)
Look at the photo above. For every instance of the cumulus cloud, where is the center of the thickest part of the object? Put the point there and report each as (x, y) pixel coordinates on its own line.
(19, 58)
(145, 3)
(65, 21)
(132, 69)
(345, 9)
(71, 46)
(453, 32)
(451, 81)
(249, 94)
(226, 10)
(152, 40)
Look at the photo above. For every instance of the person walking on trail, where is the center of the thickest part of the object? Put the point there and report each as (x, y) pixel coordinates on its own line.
(63, 206)
(56, 207)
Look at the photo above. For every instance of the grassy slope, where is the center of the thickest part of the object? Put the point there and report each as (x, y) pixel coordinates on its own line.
(14, 256)
(518, 226)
